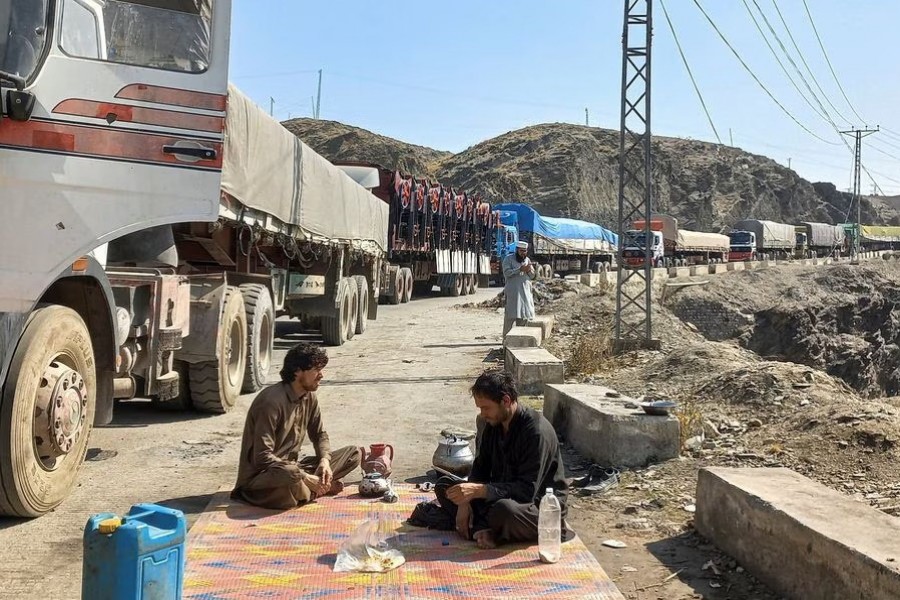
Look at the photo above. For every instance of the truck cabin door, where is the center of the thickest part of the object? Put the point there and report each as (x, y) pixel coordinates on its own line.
(126, 129)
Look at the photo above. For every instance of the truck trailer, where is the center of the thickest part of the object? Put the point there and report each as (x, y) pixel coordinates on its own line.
(155, 224)
(674, 247)
(437, 235)
(559, 245)
(752, 239)
(819, 239)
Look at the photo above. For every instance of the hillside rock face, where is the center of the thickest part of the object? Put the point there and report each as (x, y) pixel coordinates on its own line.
(572, 171)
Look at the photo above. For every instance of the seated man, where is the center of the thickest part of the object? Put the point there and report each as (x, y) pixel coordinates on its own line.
(518, 459)
(269, 473)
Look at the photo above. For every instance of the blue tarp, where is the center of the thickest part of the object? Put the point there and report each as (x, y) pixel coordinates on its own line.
(555, 227)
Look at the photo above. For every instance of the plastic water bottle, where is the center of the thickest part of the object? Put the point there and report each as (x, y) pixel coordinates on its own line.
(549, 533)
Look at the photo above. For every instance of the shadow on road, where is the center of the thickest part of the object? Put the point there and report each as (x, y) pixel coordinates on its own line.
(466, 345)
(410, 380)
(141, 413)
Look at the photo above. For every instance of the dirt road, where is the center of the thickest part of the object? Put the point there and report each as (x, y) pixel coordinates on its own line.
(401, 383)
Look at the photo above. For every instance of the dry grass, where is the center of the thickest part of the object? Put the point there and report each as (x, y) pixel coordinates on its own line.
(690, 417)
(591, 353)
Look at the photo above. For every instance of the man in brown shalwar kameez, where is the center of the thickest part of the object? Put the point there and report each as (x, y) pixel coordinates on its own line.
(271, 473)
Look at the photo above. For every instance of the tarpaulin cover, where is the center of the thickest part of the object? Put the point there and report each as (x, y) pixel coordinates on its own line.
(269, 169)
(563, 230)
(875, 233)
(769, 234)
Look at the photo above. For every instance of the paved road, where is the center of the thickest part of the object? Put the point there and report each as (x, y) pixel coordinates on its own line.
(401, 382)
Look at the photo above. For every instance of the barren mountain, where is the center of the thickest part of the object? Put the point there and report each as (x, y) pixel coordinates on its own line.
(572, 170)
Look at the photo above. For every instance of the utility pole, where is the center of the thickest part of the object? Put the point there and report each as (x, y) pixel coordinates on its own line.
(319, 96)
(730, 138)
(312, 103)
(587, 119)
(858, 135)
(633, 310)
(789, 162)
(271, 106)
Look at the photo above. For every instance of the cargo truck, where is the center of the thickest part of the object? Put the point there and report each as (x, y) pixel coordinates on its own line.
(819, 239)
(674, 247)
(558, 245)
(752, 239)
(155, 223)
(437, 235)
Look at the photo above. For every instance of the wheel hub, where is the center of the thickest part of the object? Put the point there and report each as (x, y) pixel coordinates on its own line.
(61, 409)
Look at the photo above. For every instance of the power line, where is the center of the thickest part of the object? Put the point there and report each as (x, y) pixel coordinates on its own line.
(757, 80)
(827, 60)
(688, 68)
(805, 64)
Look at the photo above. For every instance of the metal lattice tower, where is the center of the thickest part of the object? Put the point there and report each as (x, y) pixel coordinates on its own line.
(633, 326)
(858, 134)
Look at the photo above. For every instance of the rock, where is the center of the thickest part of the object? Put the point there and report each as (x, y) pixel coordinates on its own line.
(694, 443)
(631, 509)
(628, 569)
(691, 508)
(754, 423)
(710, 430)
(804, 402)
(614, 544)
(843, 444)
(709, 445)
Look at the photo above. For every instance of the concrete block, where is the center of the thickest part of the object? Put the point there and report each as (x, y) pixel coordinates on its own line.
(735, 266)
(573, 278)
(532, 368)
(604, 430)
(699, 270)
(750, 265)
(800, 538)
(679, 272)
(716, 269)
(765, 264)
(659, 273)
(545, 322)
(590, 279)
(524, 337)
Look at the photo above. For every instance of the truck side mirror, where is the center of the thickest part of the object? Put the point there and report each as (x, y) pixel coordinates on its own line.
(19, 104)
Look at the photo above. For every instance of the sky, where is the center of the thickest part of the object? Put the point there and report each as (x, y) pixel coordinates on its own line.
(449, 75)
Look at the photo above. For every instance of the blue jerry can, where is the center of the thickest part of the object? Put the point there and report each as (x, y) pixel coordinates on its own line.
(136, 557)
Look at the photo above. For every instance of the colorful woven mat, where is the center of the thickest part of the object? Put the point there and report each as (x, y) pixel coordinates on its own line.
(236, 551)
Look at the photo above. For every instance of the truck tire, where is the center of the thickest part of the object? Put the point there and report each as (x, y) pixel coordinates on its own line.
(334, 328)
(407, 275)
(399, 284)
(260, 335)
(456, 287)
(473, 286)
(46, 412)
(216, 384)
(362, 291)
(548, 271)
(353, 303)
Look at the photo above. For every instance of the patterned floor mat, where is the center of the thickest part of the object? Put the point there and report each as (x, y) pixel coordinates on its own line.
(236, 551)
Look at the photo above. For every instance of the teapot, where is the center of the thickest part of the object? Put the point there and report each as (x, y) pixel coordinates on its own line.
(374, 484)
(376, 461)
(453, 455)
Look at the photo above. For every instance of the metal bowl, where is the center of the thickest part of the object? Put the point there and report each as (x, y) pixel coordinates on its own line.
(659, 407)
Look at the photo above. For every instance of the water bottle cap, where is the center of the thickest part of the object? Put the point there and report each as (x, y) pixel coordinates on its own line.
(108, 526)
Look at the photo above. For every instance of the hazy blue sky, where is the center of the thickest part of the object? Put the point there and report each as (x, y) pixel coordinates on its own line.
(451, 74)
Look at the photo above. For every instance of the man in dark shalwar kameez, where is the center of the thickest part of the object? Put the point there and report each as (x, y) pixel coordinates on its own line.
(271, 472)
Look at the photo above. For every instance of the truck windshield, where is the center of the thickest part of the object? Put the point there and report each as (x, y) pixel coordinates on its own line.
(23, 31)
(636, 239)
(740, 238)
(162, 34)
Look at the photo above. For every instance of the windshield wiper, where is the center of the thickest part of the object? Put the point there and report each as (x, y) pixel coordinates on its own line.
(17, 81)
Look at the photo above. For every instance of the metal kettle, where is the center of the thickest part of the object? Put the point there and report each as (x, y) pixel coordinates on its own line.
(453, 455)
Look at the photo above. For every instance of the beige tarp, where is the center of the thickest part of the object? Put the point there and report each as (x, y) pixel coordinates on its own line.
(267, 168)
(699, 239)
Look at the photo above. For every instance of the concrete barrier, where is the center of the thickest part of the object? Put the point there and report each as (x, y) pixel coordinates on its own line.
(659, 273)
(765, 264)
(735, 266)
(545, 322)
(590, 279)
(604, 430)
(532, 368)
(750, 265)
(800, 538)
(679, 272)
(716, 269)
(699, 270)
(524, 337)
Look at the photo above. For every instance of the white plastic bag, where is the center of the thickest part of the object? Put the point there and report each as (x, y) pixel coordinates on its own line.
(365, 551)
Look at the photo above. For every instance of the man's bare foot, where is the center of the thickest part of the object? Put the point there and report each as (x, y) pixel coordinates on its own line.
(485, 539)
(337, 486)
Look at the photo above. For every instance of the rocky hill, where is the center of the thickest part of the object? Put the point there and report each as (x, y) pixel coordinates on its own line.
(572, 170)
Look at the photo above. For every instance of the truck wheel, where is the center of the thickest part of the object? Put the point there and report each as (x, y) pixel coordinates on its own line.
(334, 328)
(46, 412)
(548, 271)
(260, 335)
(456, 288)
(362, 292)
(353, 306)
(473, 286)
(216, 384)
(399, 285)
(407, 275)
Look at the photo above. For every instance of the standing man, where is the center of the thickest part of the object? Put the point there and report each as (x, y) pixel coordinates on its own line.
(271, 473)
(518, 272)
(518, 459)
